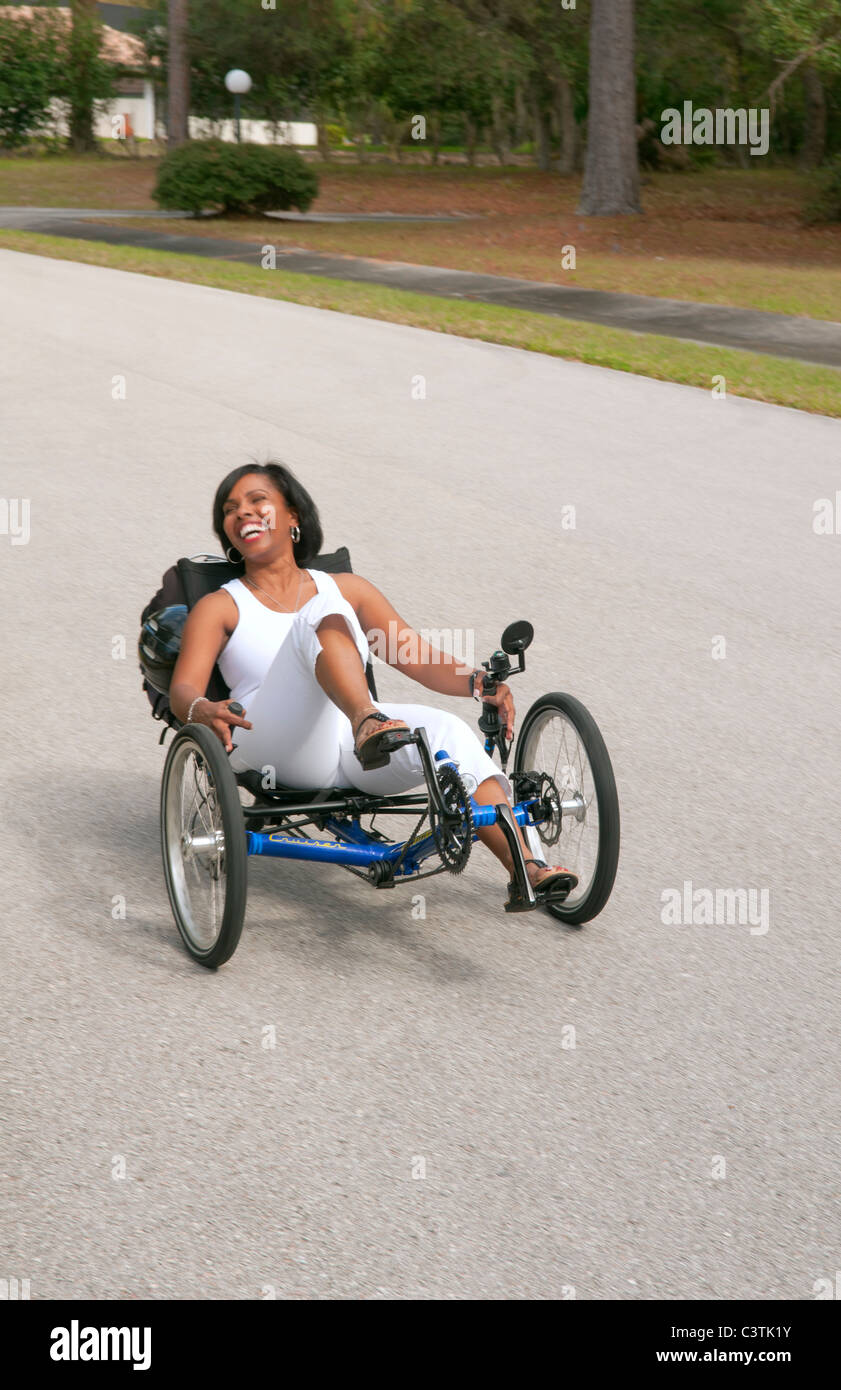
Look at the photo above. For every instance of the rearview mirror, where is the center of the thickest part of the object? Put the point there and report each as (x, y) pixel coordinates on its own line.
(516, 637)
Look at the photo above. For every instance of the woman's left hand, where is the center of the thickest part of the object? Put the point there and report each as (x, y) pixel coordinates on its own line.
(504, 702)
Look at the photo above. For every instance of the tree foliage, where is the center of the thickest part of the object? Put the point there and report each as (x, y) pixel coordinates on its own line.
(30, 71)
(86, 76)
(498, 74)
(42, 57)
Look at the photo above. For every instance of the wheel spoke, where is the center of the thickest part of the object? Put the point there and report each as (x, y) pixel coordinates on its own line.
(555, 747)
(198, 878)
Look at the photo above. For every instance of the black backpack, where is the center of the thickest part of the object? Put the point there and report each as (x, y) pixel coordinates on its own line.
(189, 580)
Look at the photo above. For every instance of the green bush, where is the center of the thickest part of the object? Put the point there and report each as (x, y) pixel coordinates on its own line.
(336, 136)
(234, 178)
(29, 72)
(825, 206)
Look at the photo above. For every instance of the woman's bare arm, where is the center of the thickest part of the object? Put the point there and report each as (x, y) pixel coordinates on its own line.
(392, 639)
(205, 633)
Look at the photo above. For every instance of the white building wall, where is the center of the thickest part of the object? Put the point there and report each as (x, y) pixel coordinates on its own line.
(110, 116)
(256, 132)
(114, 119)
(147, 124)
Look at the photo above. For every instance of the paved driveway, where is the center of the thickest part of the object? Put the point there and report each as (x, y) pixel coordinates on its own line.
(686, 1146)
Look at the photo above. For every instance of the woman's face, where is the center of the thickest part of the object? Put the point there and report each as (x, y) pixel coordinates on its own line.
(256, 518)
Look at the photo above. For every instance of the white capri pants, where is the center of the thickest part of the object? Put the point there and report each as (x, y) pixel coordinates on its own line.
(300, 733)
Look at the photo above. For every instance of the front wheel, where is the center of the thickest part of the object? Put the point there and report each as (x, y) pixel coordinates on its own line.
(203, 842)
(561, 757)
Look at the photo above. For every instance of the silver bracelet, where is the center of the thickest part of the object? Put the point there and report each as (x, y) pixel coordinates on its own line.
(193, 706)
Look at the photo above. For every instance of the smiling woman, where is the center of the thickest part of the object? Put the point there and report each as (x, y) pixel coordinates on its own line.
(291, 645)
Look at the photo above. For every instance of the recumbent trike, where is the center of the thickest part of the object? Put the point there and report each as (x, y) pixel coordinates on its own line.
(213, 819)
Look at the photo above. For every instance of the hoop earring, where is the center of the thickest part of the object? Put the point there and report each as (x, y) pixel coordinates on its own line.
(295, 533)
(229, 558)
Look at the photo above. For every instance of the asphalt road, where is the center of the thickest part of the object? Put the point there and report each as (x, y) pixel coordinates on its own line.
(251, 1170)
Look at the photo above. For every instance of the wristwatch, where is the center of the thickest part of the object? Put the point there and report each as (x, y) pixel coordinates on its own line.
(473, 691)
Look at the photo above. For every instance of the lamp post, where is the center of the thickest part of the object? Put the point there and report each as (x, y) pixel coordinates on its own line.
(239, 83)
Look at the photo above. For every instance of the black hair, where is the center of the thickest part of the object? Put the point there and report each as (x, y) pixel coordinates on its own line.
(297, 499)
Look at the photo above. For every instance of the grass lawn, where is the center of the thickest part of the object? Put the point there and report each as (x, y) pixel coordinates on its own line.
(763, 378)
(726, 236)
(77, 181)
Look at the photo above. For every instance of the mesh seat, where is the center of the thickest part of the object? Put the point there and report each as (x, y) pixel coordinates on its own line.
(253, 782)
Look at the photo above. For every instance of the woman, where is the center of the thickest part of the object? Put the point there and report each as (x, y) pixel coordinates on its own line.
(292, 648)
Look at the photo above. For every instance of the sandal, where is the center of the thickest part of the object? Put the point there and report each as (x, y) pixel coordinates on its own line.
(553, 888)
(376, 748)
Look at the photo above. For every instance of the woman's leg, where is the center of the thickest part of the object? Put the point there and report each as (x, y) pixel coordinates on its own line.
(487, 794)
(405, 771)
(338, 671)
(305, 712)
(297, 725)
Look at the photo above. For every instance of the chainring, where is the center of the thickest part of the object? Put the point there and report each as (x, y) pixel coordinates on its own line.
(454, 844)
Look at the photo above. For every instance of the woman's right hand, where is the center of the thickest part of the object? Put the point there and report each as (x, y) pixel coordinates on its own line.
(220, 719)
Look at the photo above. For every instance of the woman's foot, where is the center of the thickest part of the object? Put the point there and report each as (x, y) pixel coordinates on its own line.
(549, 884)
(371, 749)
(538, 871)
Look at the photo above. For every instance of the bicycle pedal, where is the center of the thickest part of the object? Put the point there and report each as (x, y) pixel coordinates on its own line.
(397, 738)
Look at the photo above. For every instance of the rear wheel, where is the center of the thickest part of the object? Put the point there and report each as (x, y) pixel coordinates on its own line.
(560, 744)
(203, 844)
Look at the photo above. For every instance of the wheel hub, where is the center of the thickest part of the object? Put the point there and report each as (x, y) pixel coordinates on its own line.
(205, 845)
(542, 791)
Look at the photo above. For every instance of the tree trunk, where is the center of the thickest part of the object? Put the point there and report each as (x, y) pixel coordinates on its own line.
(321, 134)
(361, 127)
(470, 139)
(814, 140)
(178, 105)
(554, 119)
(611, 173)
(569, 133)
(84, 53)
(499, 133)
(397, 128)
(541, 130)
(523, 119)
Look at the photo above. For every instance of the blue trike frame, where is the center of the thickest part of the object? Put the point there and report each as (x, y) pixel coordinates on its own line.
(383, 862)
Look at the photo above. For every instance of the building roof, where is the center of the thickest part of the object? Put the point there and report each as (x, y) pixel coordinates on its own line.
(126, 49)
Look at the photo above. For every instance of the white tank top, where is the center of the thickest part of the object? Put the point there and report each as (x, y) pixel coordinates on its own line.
(245, 659)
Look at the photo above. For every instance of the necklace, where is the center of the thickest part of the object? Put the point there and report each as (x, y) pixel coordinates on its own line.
(272, 597)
